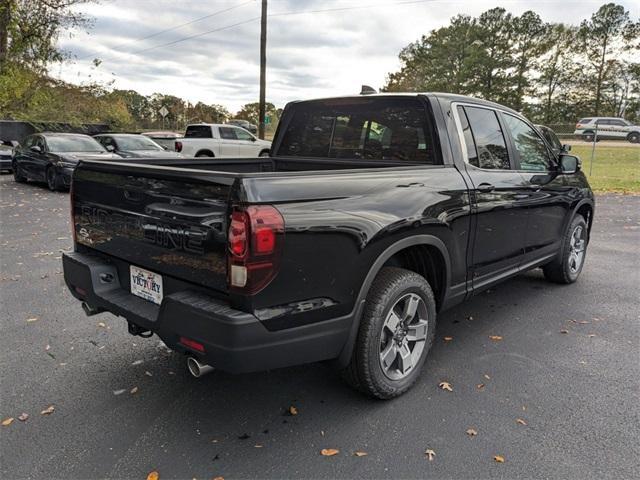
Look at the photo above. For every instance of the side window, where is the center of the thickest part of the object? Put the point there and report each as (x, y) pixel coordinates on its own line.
(227, 133)
(242, 134)
(490, 149)
(603, 122)
(198, 131)
(618, 123)
(531, 149)
(40, 143)
(28, 142)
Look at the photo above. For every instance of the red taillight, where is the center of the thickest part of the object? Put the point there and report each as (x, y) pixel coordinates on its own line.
(238, 233)
(255, 244)
(192, 344)
(178, 146)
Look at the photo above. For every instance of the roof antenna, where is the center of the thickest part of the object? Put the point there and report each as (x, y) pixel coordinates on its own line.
(367, 90)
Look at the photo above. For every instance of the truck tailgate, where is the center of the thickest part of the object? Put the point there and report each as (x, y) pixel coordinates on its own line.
(173, 225)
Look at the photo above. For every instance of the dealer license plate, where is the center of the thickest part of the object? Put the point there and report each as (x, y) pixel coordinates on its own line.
(146, 284)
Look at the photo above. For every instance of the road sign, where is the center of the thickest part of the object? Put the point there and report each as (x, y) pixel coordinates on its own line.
(163, 111)
(267, 119)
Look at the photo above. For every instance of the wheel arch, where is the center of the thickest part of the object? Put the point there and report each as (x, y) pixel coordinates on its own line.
(585, 208)
(205, 152)
(405, 253)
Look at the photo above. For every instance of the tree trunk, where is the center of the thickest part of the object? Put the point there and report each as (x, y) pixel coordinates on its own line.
(5, 19)
(600, 72)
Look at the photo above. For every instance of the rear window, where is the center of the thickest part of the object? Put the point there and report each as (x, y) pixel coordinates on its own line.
(198, 131)
(393, 129)
(585, 120)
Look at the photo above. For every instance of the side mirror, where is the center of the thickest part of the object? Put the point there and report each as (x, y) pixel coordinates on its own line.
(36, 149)
(110, 148)
(566, 147)
(569, 164)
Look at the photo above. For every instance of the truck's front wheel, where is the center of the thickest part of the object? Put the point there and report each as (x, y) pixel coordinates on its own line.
(395, 335)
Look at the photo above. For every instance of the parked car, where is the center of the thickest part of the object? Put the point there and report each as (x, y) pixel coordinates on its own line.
(248, 126)
(220, 141)
(6, 152)
(552, 139)
(52, 157)
(128, 145)
(165, 139)
(608, 128)
(372, 215)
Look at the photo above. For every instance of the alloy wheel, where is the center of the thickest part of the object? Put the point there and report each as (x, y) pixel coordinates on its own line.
(577, 247)
(403, 337)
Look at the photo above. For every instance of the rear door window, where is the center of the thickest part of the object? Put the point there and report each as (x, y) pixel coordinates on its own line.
(198, 131)
(386, 129)
(228, 133)
(484, 139)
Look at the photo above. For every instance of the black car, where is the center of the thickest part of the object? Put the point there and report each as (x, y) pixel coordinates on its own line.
(248, 126)
(52, 157)
(371, 215)
(129, 145)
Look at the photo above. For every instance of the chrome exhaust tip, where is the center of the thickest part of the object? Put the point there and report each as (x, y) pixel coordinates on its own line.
(198, 369)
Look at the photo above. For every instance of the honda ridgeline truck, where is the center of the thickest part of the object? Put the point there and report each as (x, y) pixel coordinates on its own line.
(373, 214)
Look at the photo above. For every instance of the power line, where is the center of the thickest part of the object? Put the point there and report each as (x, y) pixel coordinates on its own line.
(281, 14)
(135, 40)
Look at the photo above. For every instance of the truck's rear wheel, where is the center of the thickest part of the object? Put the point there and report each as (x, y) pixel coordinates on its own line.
(566, 267)
(634, 137)
(395, 335)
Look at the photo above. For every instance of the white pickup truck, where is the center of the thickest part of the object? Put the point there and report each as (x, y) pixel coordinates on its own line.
(222, 141)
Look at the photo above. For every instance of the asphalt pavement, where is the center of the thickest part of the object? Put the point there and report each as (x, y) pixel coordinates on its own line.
(555, 393)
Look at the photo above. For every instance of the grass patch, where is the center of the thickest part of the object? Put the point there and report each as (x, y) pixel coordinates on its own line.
(615, 169)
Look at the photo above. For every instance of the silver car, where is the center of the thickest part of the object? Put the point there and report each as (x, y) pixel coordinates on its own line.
(607, 128)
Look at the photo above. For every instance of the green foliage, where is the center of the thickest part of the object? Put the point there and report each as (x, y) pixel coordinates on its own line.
(251, 112)
(553, 72)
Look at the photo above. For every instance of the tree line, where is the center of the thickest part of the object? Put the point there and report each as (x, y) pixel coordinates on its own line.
(553, 72)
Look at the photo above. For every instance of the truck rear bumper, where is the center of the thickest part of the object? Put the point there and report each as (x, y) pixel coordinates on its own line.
(233, 340)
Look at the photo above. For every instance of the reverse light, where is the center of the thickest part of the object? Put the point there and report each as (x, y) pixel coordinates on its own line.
(255, 243)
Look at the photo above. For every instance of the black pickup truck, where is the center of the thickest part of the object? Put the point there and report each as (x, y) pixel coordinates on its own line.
(372, 214)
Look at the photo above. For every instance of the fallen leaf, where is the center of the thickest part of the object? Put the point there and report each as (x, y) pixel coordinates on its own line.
(23, 417)
(293, 410)
(472, 432)
(48, 411)
(32, 319)
(133, 390)
(102, 325)
(430, 454)
(498, 458)
(119, 392)
(480, 386)
(446, 386)
(487, 376)
(520, 421)
(583, 322)
(360, 453)
(7, 421)
(329, 452)
(591, 335)
(257, 446)
(469, 317)
(564, 331)
(136, 362)
(148, 373)
(495, 338)
(218, 478)
(153, 475)
(448, 339)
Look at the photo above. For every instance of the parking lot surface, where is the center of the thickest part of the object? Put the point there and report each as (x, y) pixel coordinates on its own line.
(555, 393)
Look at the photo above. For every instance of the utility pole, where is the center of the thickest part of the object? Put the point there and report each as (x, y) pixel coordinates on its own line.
(263, 67)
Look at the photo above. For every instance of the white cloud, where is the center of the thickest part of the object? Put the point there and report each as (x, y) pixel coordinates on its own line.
(308, 55)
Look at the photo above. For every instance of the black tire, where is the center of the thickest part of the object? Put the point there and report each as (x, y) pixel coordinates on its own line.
(588, 136)
(264, 153)
(560, 270)
(634, 137)
(365, 371)
(17, 174)
(53, 182)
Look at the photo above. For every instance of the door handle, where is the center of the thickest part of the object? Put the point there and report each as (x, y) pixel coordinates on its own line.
(485, 188)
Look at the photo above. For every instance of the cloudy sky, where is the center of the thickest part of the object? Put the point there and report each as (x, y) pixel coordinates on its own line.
(314, 47)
